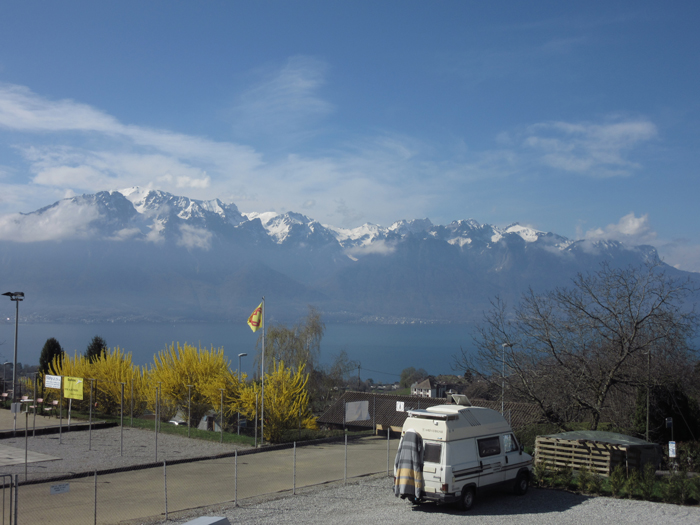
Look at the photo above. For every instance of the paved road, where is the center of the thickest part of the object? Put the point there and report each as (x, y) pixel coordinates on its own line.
(139, 494)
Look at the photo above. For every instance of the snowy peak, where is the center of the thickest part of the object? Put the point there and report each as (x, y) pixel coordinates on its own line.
(162, 204)
(294, 228)
(150, 215)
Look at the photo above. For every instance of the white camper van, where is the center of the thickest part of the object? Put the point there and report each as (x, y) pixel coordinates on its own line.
(465, 449)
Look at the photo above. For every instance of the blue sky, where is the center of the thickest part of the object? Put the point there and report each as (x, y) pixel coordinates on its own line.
(580, 118)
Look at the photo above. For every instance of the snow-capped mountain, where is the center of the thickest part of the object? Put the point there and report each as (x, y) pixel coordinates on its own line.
(146, 254)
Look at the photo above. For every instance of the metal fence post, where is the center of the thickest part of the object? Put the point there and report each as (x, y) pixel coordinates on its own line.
(155, 422)
(221, 420)
(95, 517)
(235, 478)
(26, 442)
(165, 487)
(388, 438)
(132, 401)
(189, 408)
(35, 405)
(121, 423)
(345, 474)
(294, 471)
(92, 381)
(16, 497)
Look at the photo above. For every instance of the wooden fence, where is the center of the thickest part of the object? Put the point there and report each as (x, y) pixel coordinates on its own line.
(596, 456)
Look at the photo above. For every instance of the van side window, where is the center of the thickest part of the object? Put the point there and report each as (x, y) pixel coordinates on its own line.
(509, 443)
(489, 446)
(432, 453)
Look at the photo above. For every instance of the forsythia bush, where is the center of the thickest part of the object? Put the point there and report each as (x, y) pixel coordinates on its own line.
(286, 401)
(110, 370)
(208, 371)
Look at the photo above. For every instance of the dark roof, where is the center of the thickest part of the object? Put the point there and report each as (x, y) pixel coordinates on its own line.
(382, 409)
(428, 383)
(600, 436)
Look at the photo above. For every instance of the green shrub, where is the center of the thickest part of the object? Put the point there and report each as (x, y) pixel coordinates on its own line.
(694, 484)
(617, 480)
(595, 483)
(584, 478)
(648, 481)
(634, 483)
(676, 489)
(563, 476)
(540, 472)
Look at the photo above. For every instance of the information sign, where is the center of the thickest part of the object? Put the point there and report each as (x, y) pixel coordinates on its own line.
(61, 488)
(399, 406)
(73, 388)
(52, 382)
(671, 449)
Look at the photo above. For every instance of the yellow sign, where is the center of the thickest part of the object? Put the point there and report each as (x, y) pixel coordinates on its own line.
(73, 388)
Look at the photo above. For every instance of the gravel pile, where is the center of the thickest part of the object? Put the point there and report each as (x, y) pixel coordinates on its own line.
(372, 500)
(139, 449)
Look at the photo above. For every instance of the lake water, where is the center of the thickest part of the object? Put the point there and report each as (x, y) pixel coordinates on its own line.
(383, 350)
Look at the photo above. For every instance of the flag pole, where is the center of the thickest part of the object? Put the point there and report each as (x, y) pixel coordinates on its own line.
(262, 376)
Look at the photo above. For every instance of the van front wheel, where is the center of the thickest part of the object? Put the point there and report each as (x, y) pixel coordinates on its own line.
(521, 484)
(467, 498)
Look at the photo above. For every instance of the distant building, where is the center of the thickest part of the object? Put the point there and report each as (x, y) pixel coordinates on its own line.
(429, 387)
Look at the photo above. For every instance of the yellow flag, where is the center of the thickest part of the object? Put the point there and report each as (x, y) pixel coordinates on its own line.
(255, 319)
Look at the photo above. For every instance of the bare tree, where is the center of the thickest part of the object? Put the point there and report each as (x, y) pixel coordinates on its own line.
(297, 346)
(570, 349)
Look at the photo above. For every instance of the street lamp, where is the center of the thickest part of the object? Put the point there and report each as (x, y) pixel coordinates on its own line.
(239, 382)
(503, 375)
(16, 297)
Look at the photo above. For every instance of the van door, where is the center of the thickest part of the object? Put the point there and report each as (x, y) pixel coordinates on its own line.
(513, 457)
(491, 460)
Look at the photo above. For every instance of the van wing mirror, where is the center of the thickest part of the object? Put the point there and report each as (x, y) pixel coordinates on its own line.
(522, 447)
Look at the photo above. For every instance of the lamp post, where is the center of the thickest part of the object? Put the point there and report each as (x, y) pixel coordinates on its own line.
(16, 297)
(503, 376)
(239, 382)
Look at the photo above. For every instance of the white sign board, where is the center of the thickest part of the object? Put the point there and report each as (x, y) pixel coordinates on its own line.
(61, 488)
(357, 411)
(52, 382)
(671, 449)
(399, 406)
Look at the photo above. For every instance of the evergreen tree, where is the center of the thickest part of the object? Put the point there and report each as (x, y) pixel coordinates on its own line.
(96, 349)
(52, 348)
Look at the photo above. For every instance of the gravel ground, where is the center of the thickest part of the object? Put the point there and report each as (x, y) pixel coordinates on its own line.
(139, 448)
(372, 500)
(368, 500)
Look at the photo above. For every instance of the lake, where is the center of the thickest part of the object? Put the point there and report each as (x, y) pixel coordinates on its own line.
(382, 350)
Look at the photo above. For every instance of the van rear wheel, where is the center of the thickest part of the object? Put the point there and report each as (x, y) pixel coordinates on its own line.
(467, 500)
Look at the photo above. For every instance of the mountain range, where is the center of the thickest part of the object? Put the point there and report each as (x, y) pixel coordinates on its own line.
(146, 255)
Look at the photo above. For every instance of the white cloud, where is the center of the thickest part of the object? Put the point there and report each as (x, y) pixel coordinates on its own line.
(192, 237)
(379, 247)
(286, 101)
(66, 220)
(378, 178)
(600, 150)
(630, 229)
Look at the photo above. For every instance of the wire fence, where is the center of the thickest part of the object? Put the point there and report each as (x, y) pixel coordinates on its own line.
(162, 491)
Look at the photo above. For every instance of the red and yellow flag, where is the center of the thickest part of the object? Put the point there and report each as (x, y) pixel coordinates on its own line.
(255, 319)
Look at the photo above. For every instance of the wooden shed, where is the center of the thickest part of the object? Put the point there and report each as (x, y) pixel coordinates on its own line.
(598, 451)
